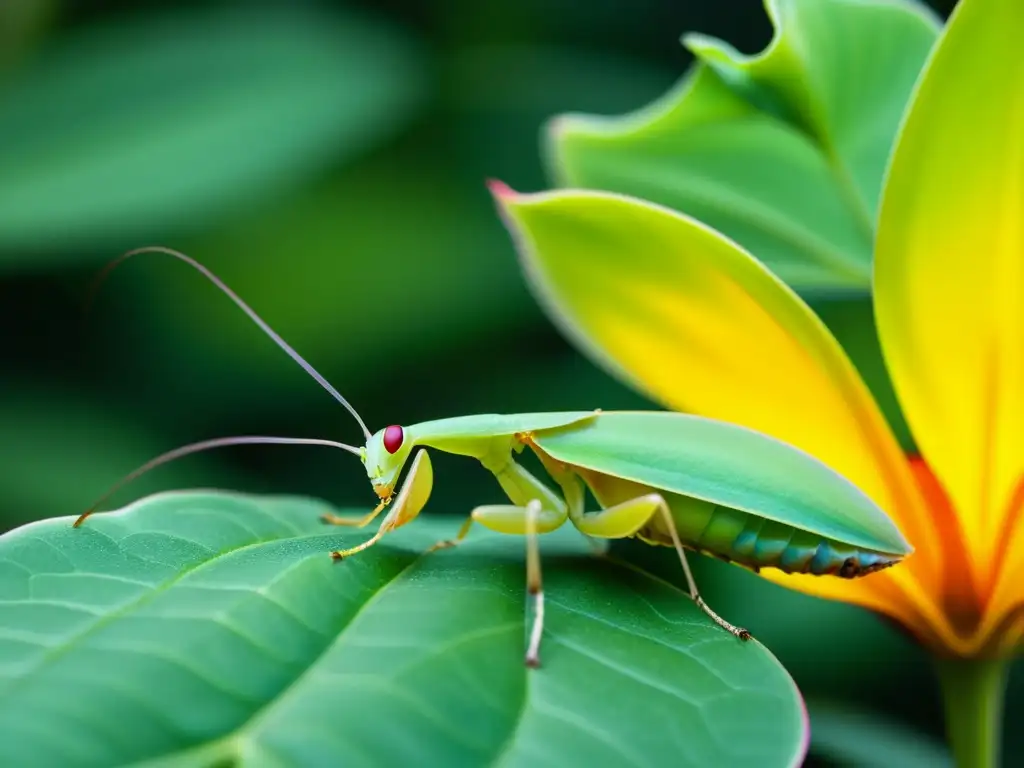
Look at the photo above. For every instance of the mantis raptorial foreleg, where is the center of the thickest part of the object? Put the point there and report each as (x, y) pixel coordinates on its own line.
(353, 522)
(408, 503)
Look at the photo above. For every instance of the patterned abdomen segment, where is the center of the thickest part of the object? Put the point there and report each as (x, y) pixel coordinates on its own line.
(755, 542)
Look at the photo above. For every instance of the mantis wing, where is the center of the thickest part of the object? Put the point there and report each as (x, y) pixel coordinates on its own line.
(729, 465)
(496, 424)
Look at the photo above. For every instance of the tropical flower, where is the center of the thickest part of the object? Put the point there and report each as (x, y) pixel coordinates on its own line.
(689, 318)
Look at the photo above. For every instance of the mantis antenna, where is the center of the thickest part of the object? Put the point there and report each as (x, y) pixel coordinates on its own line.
(218, 442)
(245, 308)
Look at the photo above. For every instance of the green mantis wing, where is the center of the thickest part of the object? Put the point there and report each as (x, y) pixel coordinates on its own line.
(496, 424)
(728, 465)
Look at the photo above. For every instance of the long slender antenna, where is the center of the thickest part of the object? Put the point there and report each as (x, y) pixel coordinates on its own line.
(243, 306)
(205, 445)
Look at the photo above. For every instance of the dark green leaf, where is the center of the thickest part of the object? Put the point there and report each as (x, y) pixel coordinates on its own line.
(394, 260)
(782, 151)
(503, 92)
(808, 634)
(859, 739)
(60, 452)
(163, 124)
(21, 24)
(206, 628)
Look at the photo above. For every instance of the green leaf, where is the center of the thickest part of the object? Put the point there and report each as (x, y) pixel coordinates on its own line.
(208, 628)
(161, 125)
(851, 737)
(783, 151)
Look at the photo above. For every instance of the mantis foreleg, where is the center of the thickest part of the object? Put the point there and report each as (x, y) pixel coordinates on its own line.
(353, 522)
(407, 503)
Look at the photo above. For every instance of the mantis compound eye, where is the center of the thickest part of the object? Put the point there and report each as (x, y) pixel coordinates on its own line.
(393, 437)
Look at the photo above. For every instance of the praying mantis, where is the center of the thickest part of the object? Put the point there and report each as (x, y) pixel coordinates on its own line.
(668, 479)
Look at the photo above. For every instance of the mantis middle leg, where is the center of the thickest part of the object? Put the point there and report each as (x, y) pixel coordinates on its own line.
(535, 509)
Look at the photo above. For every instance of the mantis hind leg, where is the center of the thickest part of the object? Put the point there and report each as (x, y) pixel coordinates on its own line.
(625, 519)
(535, 509)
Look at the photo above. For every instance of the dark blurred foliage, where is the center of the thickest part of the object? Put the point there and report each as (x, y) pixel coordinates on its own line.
(328, 160)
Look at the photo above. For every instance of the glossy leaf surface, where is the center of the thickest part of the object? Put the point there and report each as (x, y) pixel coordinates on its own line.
(200, 628)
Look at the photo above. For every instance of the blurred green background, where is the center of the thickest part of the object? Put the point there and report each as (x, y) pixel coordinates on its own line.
(327, 159)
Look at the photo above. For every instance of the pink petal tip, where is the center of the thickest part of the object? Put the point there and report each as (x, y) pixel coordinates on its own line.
(500, 189)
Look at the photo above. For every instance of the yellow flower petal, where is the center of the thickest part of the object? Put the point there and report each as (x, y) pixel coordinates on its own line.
(1005, 611)
(939, 609)
(888, 593)
(949, 271)
(701, 326)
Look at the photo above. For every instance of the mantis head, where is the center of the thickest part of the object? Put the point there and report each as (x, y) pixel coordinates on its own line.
(385, 455)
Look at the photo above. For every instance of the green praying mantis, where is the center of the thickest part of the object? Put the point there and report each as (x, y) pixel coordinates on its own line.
(669, 479)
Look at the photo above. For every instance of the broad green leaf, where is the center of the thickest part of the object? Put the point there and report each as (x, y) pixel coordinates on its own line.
(163, 124)
(783, 151)
(847, 736)
(211, 628)
(683, 314)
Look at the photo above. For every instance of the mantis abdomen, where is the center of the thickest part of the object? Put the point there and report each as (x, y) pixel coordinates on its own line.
(756, 542)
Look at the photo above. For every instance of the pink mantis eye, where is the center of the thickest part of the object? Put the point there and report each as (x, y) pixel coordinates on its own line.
(393, 437)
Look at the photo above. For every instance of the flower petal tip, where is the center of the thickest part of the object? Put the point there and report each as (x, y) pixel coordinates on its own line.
(500, 190)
